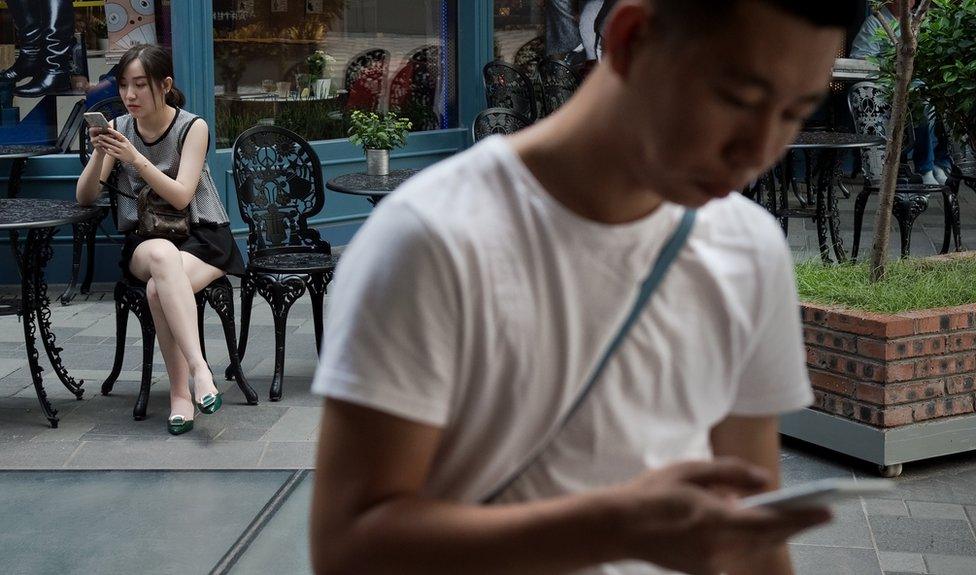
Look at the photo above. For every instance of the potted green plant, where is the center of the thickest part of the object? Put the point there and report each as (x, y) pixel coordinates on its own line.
(320, 66)
(100, 31)
(378, 134)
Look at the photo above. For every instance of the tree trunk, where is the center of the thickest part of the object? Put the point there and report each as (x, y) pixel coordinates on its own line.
(906, 48)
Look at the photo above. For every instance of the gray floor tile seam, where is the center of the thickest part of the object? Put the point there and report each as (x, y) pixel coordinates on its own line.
(73, 453)
(867, 520)
(264, 450)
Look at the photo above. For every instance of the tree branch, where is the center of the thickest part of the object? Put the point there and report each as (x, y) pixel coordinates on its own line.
(884, 23)
(919, 14)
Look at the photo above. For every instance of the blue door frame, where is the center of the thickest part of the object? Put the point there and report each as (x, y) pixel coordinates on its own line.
(55, 176)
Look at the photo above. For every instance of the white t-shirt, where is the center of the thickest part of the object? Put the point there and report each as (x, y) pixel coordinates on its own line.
(473, 301)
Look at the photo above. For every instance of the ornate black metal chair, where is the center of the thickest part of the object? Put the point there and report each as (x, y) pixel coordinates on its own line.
(365, 79)
(84, 233)
(962, 171)
(507, 87)
(527, 59)
(413, 91)
(279, 187)
(496, 121)
(130, 296)
(559, 83)
(871, 111)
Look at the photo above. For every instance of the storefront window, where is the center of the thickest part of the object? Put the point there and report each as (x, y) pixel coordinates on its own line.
(529, 30)
(57, 51)
(305, 65)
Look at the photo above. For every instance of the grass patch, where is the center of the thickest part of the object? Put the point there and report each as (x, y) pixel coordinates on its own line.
(910, 285)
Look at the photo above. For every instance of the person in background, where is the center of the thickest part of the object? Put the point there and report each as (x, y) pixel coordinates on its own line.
(163, 146)
(930, 154)
(472, 309)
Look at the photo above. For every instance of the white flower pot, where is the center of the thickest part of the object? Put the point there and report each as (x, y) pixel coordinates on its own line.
(321, 87)
(377, 162)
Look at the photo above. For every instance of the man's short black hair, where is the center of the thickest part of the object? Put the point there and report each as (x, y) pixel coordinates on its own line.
(846, 14)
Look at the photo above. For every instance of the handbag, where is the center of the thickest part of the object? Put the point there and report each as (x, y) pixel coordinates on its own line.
(159, 219)
(650, 284)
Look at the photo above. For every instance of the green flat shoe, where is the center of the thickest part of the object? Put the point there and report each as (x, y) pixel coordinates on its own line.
(210, 403)
(178, 425)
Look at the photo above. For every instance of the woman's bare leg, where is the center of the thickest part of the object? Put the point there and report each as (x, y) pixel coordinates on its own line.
(176, 277)
(180, 400)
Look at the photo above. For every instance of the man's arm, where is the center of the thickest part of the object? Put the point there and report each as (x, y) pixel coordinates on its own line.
(755, 440)
(369, 515)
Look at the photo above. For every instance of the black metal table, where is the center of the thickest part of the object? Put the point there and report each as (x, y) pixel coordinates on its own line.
(19, 154)
(40, 218)
(773, 192)
(373, 188)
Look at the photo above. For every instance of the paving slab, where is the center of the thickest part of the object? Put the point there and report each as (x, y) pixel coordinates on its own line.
(885, 507)
(124, 522)
(816, 560)
(926, 510)
(902, 562)
(282, 546)
(950, 564)
(910, 535)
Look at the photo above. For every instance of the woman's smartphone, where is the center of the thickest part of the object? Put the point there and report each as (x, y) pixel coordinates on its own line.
(96, 120)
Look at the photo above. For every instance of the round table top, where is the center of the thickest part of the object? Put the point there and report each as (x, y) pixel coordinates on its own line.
(360, 184)
(27, 213)
(18, 151)
(835, 140)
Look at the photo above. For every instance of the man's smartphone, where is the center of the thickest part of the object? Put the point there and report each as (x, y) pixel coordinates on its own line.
(96, 120)
(819, 493)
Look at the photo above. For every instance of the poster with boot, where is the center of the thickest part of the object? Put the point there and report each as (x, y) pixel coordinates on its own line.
(45, 40)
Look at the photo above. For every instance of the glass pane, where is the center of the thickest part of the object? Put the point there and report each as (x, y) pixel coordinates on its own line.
(305, 65)
(79, 41)
(527, 30)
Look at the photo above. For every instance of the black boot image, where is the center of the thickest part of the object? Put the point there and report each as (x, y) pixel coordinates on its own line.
(52, 73)
(28, 21)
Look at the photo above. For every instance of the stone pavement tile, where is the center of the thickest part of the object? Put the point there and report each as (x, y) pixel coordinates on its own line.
(849, 527)
(11, 386)
(923, 510)
(297, 424)
(79, 320)
(10, 365)
(885, 507)
(34, 455)
(816, 560)
(123, 522)
(167, 455)
(950, 564)
(11, 332)
(289, 455)
(971, 512)
(901, 562)
(941, 480)
(282, 546)
(910, 535)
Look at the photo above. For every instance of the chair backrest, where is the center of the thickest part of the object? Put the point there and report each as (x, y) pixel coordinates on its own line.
(365, 79)
(496, 121)
(529, 55)
(559, 83)
(429, 53)
(413, 93)
(279, 185)
(70, 128)
(506, 87)
(111, 108)
(871, 112)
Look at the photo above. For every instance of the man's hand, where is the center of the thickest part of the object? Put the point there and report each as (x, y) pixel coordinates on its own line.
(686, 517)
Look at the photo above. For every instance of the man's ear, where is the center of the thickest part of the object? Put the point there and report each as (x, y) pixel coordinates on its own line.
(628, 24)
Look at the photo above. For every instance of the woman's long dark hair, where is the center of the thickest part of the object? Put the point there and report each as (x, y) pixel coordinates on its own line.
(158, 64)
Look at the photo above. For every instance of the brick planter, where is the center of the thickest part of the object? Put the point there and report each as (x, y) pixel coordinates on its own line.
(892, 370)
(890, 388)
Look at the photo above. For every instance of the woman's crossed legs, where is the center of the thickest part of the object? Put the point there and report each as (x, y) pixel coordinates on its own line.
(172, 277)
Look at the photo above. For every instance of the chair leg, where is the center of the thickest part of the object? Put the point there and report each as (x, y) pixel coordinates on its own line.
(201, 304)
(906, 210)
(859, 205)
(281, 291)
(220, 295)
(950, 202)
(121, 321)
(148, 347)
(247, 298)
(316, 290)
(90, 254)
(78, 232)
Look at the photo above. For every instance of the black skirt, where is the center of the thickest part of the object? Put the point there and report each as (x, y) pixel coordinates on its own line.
(212, 243)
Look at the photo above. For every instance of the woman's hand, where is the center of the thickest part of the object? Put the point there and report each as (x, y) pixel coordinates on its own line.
(119, 147)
